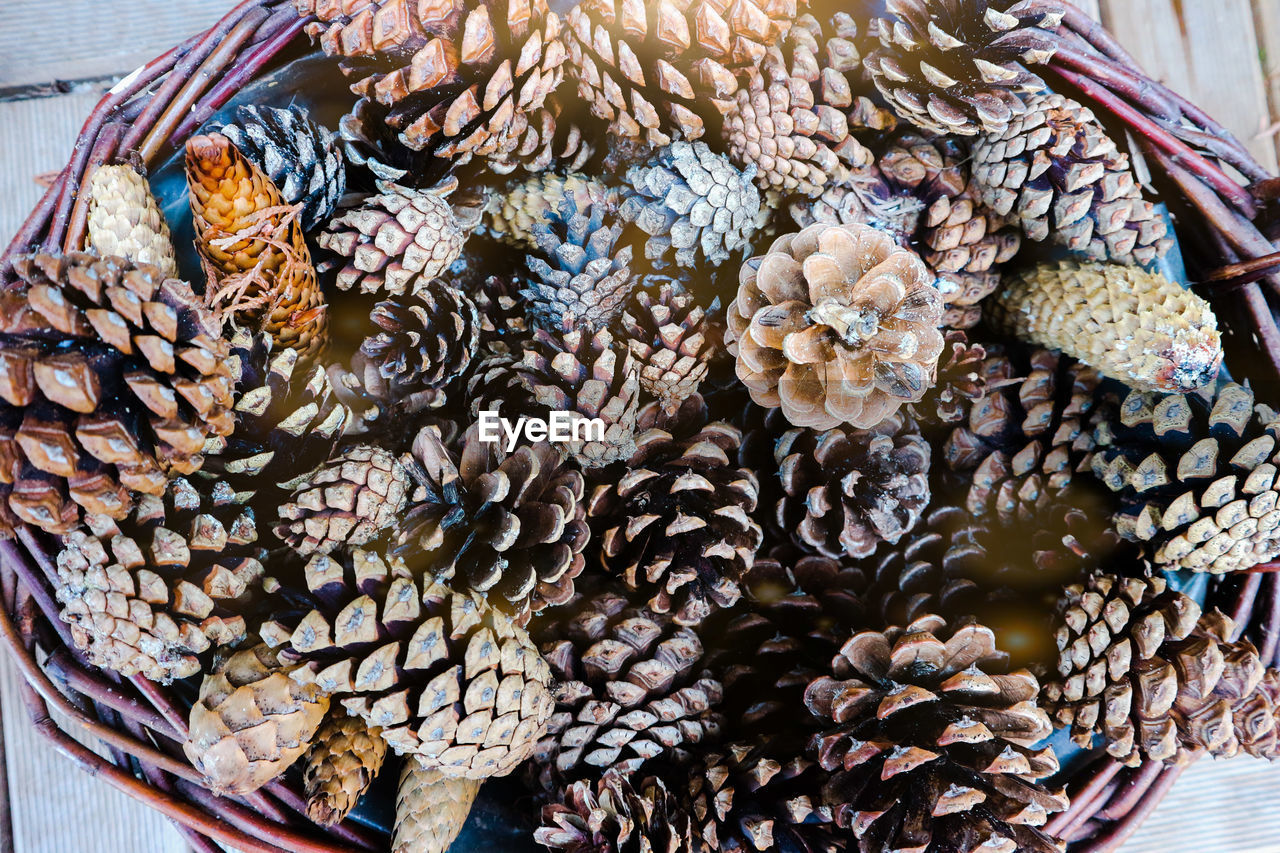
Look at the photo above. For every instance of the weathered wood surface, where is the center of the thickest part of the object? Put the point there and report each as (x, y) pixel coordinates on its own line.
(1224, 54)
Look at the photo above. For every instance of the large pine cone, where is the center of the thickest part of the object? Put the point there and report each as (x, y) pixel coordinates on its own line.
(1197, 480)
(111, 379)
(125, 220)
(1056, 173)
(341, 764)
(673, 342)
(510, 528)
(836, 324)
(952, 66)
(930, 740)
(443, 675)
(456, 80)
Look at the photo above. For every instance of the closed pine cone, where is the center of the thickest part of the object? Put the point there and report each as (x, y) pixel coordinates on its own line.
(443, 675)
(1132, 325)
(510, 528)
(252, 242)
(1056, 173)
(149, 594)
(111, 379)
(341, 764)
(672, 340)
(953, 66)
(125, 220)
(933, 740)
(1197, 480)
(350, 500)
(251, 722)
(431, 808)
(836, 324)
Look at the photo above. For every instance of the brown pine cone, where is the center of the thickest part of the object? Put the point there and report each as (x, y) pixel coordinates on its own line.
(673, 342)
(431, 808)
(350, 500)
(252, 242)
(865, 197)
(512, 212)
(125, 220)
(644, 68)
(846, 490)
(1196, 479)
(931, 740)
(252, 721)
(541, 140)
(111, 380)
(629, 690)
(961, 381)
(342, 762)
(616, 815)
(953, 67)
(1055, 172)
(836, 324)
(443, 675)
(395, 242)
(457, 81)
(511, 529)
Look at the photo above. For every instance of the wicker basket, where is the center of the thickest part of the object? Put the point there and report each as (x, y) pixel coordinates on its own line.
(1229, 219)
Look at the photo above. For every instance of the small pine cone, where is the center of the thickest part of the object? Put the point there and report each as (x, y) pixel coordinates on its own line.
(511, 529)
(251, 722)
(1023, 440)
(350, 500)
(695, 207)
(443, 675)
(342, 762)
(431, 808)
(252, 241)
(953, 67)
(963, 294)
(591, 375)
(125, 220)
(454, 81)
(513, 212)
(794, 116)
(1057, 174)
(677, 526)
(585, 279)
(300, 157)
(673, 341)
(615, 814)
(395, 242)
(1196, 479)
(645, 69)
(1131, 325)
(629, 690)
(836, 324)
(149, 594)
(961, 381)
(112, 377)
(934, 739)
(846, 490)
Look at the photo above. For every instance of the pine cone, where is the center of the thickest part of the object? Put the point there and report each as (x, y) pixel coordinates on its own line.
(431, 808)
(677, 526)
(695, 207)
(629, 691)
(396, 242)
(589, 278)
(847, 490)
(510, 529)
(259, 266)
(513, 212)
(961, 382)
(865, 197)
(1024, 439)
(1196, 480)
(952, 67)
(643, 68)
(673, 341)
(299, 156)
(836, 324)
(251, 722)
(342, 762)
(591, 375)
(544, 139)
(125, 220)
(1055, 172)
(443, 675)
(934, 739)
(111, 379)
(350, 500)
(456, 81)
(616, 815)
(1131, 325)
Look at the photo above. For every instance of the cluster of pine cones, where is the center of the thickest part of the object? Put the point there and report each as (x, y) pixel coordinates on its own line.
(908, 444)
